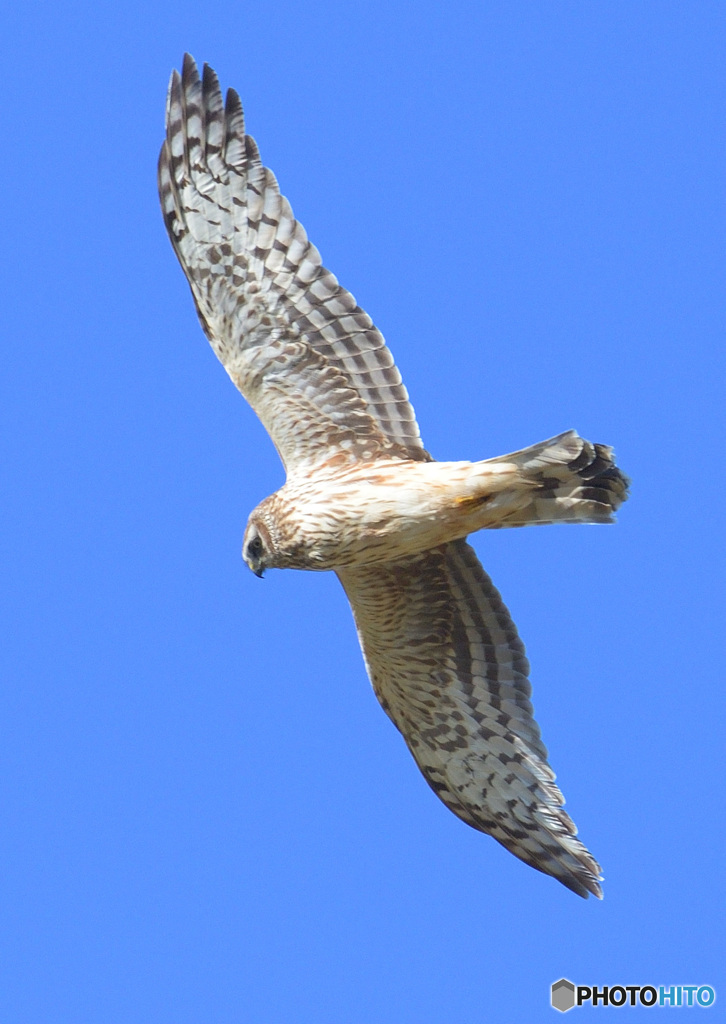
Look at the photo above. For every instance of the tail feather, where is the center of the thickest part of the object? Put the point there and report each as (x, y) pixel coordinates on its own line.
(567, 480)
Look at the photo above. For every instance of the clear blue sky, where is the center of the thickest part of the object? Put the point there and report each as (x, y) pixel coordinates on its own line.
(207, 819)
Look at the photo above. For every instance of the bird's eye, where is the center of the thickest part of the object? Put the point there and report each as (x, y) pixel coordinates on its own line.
(254, 548)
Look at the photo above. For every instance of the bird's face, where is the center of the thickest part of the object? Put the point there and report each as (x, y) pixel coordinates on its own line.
(256, 548)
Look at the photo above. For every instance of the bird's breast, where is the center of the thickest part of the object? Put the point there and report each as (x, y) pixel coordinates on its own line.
(366, 514)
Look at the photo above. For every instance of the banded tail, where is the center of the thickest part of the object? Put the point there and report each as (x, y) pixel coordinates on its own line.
(565, 479)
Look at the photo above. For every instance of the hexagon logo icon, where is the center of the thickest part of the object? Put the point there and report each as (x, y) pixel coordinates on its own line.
(563, 995)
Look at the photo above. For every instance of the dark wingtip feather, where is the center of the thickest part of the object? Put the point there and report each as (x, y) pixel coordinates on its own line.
(234, 112)
(235, 149)
(211, 86)
(189, 68)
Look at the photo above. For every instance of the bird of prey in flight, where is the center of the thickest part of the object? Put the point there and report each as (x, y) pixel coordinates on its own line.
(364, 498)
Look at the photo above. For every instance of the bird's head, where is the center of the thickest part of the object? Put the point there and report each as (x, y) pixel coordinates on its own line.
(258, 547)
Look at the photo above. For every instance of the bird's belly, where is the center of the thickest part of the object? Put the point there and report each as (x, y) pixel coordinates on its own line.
(380, 516)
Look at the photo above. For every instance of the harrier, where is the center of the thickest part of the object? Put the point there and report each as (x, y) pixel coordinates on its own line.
(364, 498)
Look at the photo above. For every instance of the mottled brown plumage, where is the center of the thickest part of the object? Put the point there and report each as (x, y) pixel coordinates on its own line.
(362, 495)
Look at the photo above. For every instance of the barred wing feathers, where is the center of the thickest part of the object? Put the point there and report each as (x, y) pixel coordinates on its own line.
(449, 669)
(306, 357)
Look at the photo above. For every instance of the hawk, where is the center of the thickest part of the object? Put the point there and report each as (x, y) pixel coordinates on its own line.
(364, 498)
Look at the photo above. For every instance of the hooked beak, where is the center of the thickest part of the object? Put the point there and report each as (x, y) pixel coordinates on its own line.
(259, 573)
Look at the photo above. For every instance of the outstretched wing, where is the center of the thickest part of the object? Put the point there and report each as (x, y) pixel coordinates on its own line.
(449, 669)
(305, 356)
